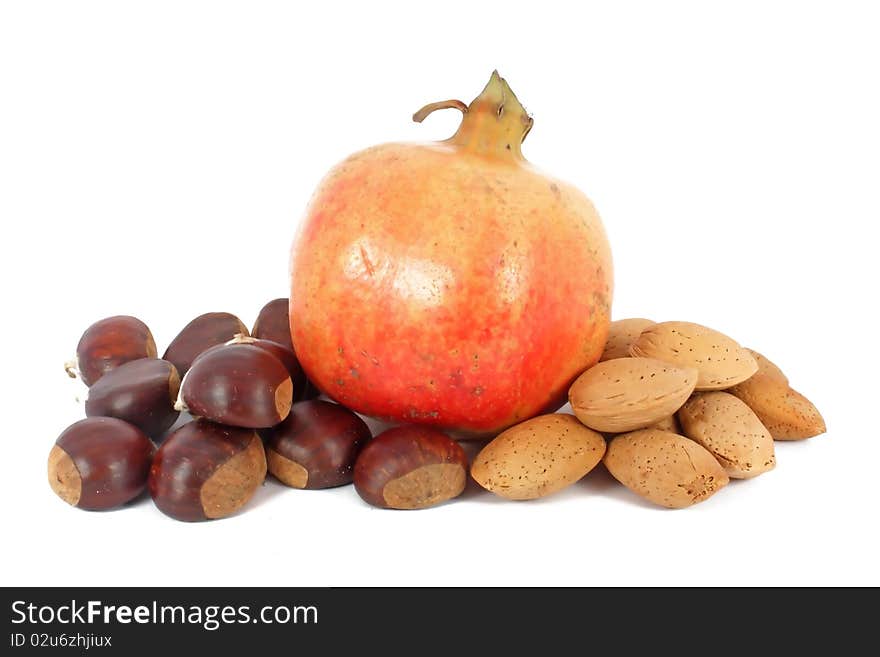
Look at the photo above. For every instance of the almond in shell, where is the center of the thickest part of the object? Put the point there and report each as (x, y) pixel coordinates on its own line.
(538, 457)
(664, 468)
(720, 360)
(621, 334)
(625, 394)
(767, 368)
(725, 426)
(786, 413)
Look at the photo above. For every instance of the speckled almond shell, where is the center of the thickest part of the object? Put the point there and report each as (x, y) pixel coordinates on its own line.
(621, 334)
(720, 360)
(725, 426)
(664, 468)
(538, 457)
(767, 368)
(786, 413)
(625, 394)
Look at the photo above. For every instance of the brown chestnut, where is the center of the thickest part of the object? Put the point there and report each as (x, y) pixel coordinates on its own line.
(141, 392)
(205, 471)
(100, 463)
(282, 353)
(204, 332)
(273, 323)
(410, 467)
(109, 343)
(240, 385)
(316, 446)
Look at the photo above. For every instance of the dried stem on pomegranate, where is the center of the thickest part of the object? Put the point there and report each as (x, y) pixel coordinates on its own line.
(428, 109)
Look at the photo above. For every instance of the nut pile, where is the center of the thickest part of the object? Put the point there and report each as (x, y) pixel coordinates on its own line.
(673, 410)
(686, 408)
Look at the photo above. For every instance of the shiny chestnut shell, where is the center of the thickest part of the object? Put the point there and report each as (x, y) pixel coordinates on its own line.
(206, 471)
(110, 342)
(141, 392)
(240, 385)
(316, 446)
(273, 323)
(202, 333)
(282, 353)
(410, 467)
(100, 463)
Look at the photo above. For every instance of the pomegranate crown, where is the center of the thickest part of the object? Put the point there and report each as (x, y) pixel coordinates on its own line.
(495, 123)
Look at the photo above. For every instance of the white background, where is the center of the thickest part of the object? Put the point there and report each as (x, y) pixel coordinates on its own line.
(155, 159)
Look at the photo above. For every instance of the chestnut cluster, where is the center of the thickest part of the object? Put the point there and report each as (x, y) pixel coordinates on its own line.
(232, 383)
(249, 408)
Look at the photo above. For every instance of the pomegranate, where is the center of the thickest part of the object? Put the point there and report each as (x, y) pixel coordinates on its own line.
(450, 283)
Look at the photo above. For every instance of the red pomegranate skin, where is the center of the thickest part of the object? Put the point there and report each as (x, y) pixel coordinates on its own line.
(450, 284)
